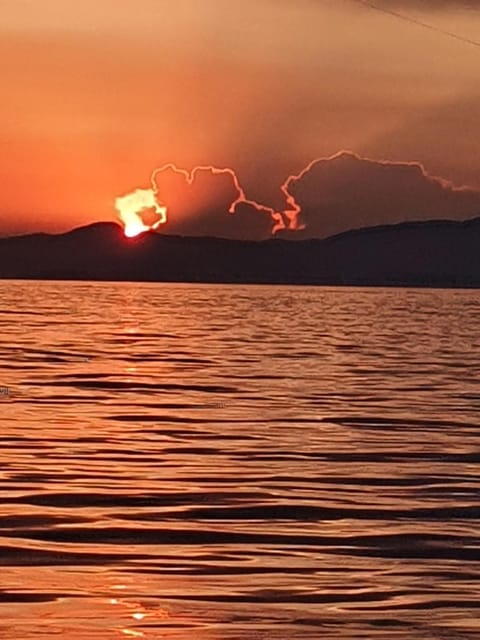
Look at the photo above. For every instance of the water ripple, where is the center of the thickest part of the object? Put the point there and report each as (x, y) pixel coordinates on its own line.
(228, 463)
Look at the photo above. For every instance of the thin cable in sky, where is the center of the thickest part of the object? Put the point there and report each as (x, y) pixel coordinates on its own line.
(419, 23)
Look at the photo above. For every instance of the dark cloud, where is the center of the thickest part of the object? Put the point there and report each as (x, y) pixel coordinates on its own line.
(346, 191)
(245, 224)
(202, 207)
(339, 193)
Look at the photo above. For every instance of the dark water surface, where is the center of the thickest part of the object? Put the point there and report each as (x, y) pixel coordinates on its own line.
(229, 462)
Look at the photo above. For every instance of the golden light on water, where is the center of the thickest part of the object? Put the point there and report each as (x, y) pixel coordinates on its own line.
(126, 515)
(132, 633)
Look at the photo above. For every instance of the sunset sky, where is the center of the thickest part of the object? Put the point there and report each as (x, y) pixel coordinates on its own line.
(98, 93)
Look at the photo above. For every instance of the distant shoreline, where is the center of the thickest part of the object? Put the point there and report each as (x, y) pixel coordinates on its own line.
(322, 285)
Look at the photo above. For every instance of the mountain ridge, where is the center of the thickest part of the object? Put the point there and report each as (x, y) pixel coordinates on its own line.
(444, 253)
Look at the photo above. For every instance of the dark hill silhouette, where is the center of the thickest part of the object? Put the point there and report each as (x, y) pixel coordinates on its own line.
(434, 253)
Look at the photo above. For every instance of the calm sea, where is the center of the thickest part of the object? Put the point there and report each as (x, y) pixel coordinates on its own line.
(238, 462)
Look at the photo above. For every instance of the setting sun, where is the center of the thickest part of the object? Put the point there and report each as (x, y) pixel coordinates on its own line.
(130, 208)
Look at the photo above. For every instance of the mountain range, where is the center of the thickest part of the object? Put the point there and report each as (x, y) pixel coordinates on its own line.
(433, 253)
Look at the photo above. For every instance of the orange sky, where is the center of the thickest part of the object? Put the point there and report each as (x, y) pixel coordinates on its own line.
(98, 93)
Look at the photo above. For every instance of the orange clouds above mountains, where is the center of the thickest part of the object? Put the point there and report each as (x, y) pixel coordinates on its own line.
(335, 194)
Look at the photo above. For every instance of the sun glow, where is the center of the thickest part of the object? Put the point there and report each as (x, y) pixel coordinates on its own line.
(131, 206)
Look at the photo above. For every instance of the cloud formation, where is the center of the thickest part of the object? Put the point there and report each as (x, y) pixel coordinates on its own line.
(347, 191)
(210, 202)
(330, 195)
